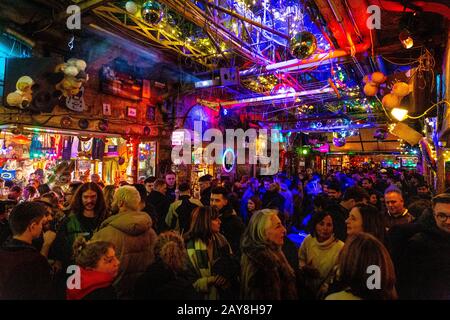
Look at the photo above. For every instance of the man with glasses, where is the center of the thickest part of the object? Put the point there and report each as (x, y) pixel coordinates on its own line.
(424, 266)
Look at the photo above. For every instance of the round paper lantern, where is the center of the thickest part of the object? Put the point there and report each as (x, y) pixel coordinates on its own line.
(303, 44)
(151, 12)
(400, 89)
(391, 101)
(131, 7)
(378, 77)
(370, 89)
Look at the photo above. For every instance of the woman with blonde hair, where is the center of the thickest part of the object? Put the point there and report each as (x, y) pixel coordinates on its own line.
(362, 260)
(166, 278)
(98, 266)
(265, 271)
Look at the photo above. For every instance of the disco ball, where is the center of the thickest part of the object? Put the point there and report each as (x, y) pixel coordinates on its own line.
(152, 12)
(303, 44)
(339, 142)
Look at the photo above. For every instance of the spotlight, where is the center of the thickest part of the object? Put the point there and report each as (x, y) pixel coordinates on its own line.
(406, 39)
(399, 114)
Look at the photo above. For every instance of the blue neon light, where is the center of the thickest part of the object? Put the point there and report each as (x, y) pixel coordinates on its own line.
(224, 164)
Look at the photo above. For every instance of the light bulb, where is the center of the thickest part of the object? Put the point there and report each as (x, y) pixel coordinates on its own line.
(406, 39)
(399, 113)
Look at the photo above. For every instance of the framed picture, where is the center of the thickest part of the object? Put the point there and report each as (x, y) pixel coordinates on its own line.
(106, 109)
(131, 112)
(150, 113)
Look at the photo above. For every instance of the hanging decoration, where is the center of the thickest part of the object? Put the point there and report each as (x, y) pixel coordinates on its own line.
(21, 98)
(20, 139)
(303, 44)
(339, 142)
(131, 7)
(373, 82)
(152, 12)
(35, 147)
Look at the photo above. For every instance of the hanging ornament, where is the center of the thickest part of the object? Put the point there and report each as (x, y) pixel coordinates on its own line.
(151, 12)
(20, 139)
(391, 101)
(370, 89)
(339, 142)
(131, 7)
(303, 44)
(400, 89)
(378, 77)
(380, 134)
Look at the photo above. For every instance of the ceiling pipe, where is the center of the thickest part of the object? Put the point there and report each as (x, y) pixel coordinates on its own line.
(263, 99)
(318, 58)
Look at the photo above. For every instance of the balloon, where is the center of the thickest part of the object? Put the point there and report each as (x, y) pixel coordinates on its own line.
(131, 7)
(303, 44)
(391, 101)
(151, 12)
(339, 142)
(378, 77)
(370, 89)
(400, 89)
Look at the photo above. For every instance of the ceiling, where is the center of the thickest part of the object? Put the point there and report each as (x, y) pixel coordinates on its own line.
(189, 41)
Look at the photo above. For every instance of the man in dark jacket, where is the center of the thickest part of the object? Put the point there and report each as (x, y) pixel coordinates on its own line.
(204, 183)
(424, 265)
(232, 226)
(171, 180)
(24, 273)
(161, 203)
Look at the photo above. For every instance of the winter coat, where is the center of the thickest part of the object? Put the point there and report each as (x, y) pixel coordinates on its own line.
(266, 275)
(94, 285)
(180, 213)
(205, 196)
(232, 228)
(134, 238)
(24, 272)
(391, 221)
(424, 265)
(159, 282)
(273, 200)
(161, 204)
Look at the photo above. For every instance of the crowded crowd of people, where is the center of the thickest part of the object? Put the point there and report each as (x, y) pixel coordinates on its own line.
(371, 234)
